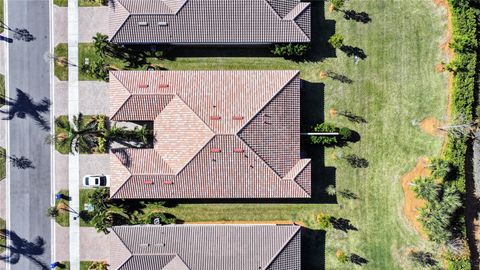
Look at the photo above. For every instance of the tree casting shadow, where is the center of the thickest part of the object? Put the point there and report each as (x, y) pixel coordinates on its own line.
(21, 247)
(353, 51)
(24, 106)
(362, 17)
(342, 224)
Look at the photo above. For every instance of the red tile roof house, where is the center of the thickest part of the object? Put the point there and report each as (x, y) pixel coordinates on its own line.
(218, 135)
(221, 22)
(205, 247)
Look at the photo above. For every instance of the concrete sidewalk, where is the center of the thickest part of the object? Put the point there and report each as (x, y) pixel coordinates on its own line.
(91, 21)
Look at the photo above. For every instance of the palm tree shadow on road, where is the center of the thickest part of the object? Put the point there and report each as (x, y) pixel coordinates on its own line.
(21, 247)
(23, 105)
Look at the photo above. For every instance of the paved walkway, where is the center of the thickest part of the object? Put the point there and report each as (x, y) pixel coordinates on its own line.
(91, 21)
(73, 160)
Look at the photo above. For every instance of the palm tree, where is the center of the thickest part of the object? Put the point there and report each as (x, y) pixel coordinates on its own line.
(115, 133)
(331, 190)
(98, 266)
(53, 212)
(100, 199)
(101, 44)
(105, 219)
(440, 168)
(425, 188)
(142, 134)
(80, 135)
(451, 200)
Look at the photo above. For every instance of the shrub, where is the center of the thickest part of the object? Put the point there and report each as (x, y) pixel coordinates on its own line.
(337, 4)
(324, 128)
(331, 190)
(345, 133)
(441, 168)
(162, 217)
(291, 49)
(324, 221)
(102, 145)
(336, 41)
(341, 256)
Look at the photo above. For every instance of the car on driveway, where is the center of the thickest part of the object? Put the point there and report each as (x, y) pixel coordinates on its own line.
(96, 181)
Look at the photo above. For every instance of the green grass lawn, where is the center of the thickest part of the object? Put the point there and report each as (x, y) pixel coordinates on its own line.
(3, 163)
(393, 88)
(1, 14)
(63, 218)
(81, 3)
(60, 68)
(3, 240)
(2, 89)
(83, 265)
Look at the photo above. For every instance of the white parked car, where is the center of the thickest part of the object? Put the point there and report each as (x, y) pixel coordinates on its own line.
(96, 181)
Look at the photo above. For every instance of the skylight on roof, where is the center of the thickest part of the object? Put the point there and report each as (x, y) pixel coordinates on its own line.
(143, 23)
(162, 24)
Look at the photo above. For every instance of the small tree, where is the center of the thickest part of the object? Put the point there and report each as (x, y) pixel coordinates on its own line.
(102, 44)
(425, 188)
(440, 168)
(324, 221)
(345, 133)
(98, 266)
(336, 41)
(356, 161)
(53, 212)
(424, 259)
(337, 4)
(341, 256)
(331, 190)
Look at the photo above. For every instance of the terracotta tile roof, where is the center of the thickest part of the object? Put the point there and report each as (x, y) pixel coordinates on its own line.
(205, 247)
(222, 134)
(209, 21)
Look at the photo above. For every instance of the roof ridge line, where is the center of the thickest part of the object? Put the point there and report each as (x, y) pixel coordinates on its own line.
(283, 248)
(296, 24)
(126, 19)
(126, 247)
(270, 100)
(186, 104)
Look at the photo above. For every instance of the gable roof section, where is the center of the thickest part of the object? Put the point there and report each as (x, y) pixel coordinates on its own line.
(206, 247)
(208, 21)
(223, 134)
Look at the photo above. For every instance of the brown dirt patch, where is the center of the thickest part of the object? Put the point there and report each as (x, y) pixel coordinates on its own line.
(439, 68)
(431, 126)
(332, 112)
(412, 204)
(322, 75)
(62, 208)
(331, 8)
(62, 61)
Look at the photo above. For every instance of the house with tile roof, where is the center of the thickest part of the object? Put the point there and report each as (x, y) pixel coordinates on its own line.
(205, 247)
(218, 134)
(222, 22)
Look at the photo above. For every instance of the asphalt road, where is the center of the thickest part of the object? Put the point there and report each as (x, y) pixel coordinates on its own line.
(29, 78)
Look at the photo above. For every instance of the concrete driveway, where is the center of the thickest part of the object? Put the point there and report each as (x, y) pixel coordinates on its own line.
(91, 21)
(94, 164)
(93, 98)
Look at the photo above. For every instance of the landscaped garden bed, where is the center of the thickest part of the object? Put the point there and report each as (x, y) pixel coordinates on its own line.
(84, 265)
(94, 143)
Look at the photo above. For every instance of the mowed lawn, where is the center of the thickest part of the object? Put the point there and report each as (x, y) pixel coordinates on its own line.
(394, 88)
